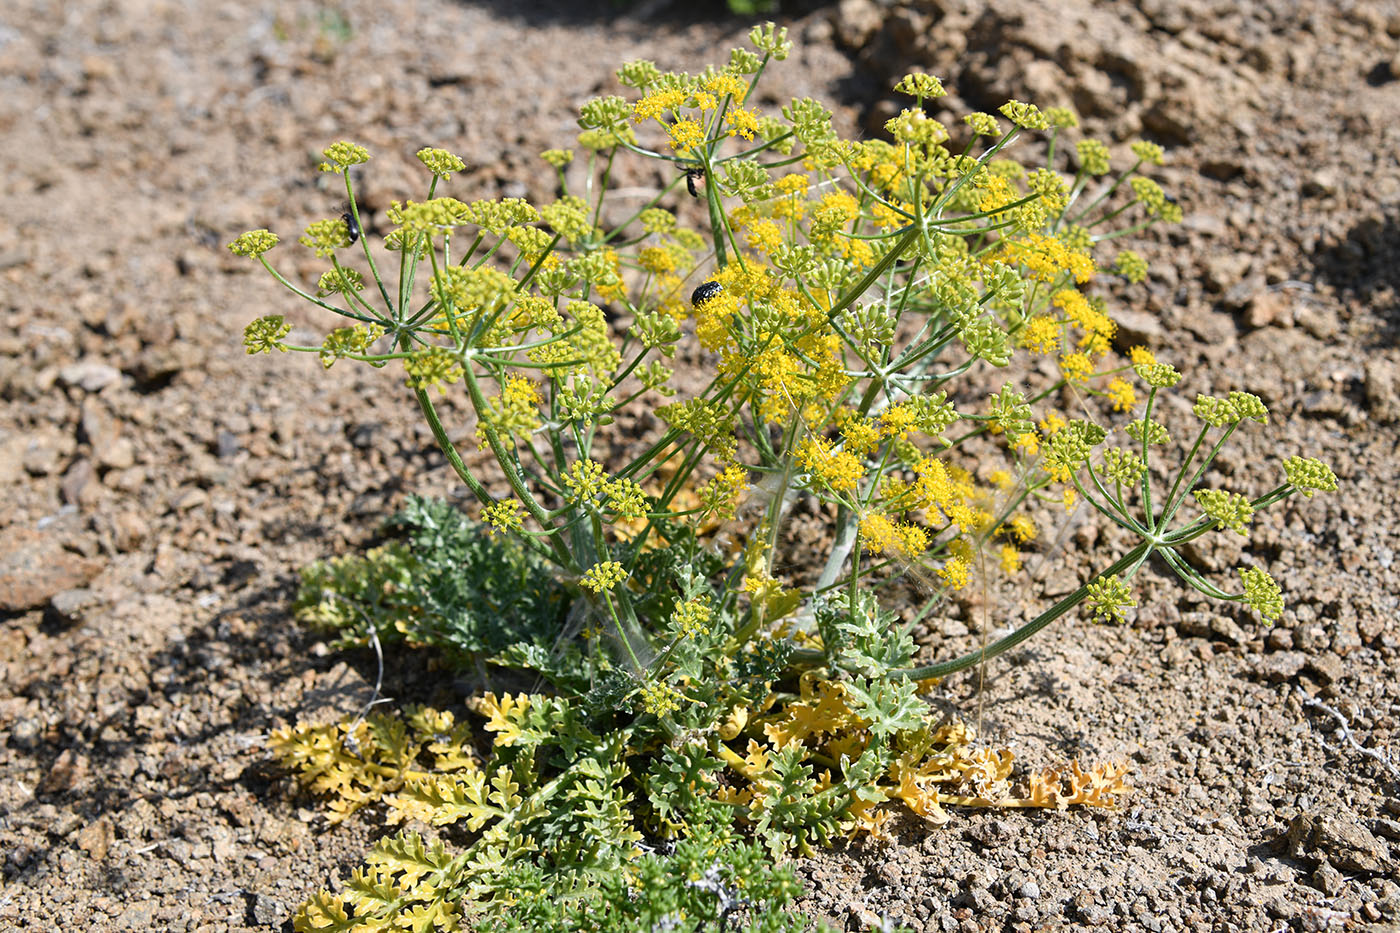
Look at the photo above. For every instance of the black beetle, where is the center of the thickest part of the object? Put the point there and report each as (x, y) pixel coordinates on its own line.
(705, 292)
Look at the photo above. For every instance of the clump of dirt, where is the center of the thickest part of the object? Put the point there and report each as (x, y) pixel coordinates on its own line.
(160, 489)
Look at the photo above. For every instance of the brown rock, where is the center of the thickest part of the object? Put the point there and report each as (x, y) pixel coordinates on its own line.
(1280, 665)
(1383, 390)
(1139, 328)
(857, 21)
(1266, 308)
(12, 459)
(129, 529)
(96, 838)
(89, 375)
(70, 605)
(1338, 839)
(77, 484)
(68, 772)
(1326, 666)
(34, 567)
(44, 450)
(1224, 270)
(120, 454)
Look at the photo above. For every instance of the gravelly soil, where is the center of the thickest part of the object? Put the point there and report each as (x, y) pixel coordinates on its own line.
(160, 489)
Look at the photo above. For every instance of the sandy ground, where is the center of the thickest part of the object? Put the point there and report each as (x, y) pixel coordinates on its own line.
(160, 489)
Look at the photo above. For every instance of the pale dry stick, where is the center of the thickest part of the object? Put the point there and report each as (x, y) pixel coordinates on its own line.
(1344, 728)
(350, 743)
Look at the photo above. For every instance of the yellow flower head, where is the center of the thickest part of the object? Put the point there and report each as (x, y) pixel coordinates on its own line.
(655, 106)
(686, 135)
(604, 576)
(742, 123)
(1041, 335)
(1122, 394)
(1076, 367)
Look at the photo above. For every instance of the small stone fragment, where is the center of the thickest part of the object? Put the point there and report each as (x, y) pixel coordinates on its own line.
(68, 772)
(70, 605)
(89, 375)
(1337, 839)
(34, 567)
(1266, 308)
(1280, 665)
(96, 838)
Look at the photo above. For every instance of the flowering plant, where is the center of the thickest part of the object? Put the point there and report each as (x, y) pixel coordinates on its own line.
(852, 326)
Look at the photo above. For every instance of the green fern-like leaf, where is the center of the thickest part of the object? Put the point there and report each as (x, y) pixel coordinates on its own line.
(324, 912)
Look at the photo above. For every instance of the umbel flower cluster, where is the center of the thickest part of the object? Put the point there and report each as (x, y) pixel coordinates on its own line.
(840, 323)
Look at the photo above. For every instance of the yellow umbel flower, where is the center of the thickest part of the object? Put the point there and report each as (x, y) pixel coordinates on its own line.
(253, 243)
(742, 123)
(686, 135)
(1010, 558)
(1022, 528)
(838, 469)
(604, 576)
(1076, 368)
(656, 259)
(726, 84)
(1041, 335)
(660, 699)
(1122, 394)
(956, 572)
(764, 237)
(655, 106)
(504, 515)
(692, 616)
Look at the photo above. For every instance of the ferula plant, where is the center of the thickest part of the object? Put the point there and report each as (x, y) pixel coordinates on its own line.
(855, 327)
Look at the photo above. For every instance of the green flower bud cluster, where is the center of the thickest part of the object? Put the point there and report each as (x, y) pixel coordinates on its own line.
(1073, 443)
(1026, 116)
(1123, 466)
(1093, 156)
(569, 217)
(1262, 593)
(984, 339)
(1130, 265)
(346, 340)
(433, 366)
(1230, 509)
(1110, 596)
(605, 113)
(339, 281)
(253, 243)
(340, 156)
(811, 122)
(326, 236)
(1159, 376)
(1147, 152)
(557, 157)
(640, 74)
(1308, 475)
(772, 40)
(1154, 200)
(983, 124)
(1238, 406)
(440, 162)
(1009, 409)
(266, 334)
(921, 86)
(743, 62)
(1147, 431)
